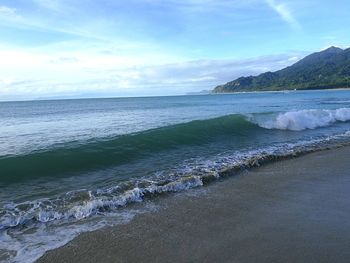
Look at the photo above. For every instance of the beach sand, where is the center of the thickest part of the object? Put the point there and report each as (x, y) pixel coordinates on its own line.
(295, 210)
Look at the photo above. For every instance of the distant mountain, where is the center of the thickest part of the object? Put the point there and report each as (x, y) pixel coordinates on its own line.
(327, 69)
(202, 92)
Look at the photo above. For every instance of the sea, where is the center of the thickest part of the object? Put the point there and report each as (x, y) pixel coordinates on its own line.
(73, 166)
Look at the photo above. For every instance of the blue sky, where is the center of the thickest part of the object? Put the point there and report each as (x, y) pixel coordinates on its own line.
(90, 48)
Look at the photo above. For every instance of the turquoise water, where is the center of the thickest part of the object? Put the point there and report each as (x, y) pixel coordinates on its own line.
(76, 163)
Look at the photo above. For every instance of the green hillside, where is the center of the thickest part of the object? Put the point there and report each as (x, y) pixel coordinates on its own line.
(322, 70)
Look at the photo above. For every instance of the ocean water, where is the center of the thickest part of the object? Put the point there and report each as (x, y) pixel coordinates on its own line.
(70, 166)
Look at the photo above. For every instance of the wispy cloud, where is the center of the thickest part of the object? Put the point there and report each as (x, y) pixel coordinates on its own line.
(199, 74)
(52, 5)
(5, 10)
(64, 60)
(285, 13)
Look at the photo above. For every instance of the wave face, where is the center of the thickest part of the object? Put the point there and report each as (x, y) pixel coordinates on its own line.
(306, 119)
(71, 159)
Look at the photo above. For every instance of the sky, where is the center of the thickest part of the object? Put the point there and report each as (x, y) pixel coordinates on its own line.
(110, 48)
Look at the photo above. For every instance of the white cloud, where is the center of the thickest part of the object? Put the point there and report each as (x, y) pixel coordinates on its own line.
(199, 74)
(64, 60)
(7, 11)
(103, 76)
(285, 13)
(6, 81)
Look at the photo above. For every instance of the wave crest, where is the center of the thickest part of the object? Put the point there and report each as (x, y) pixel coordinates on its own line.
(306, 119)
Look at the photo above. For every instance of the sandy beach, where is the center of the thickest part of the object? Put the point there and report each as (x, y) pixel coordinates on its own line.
(290, 211)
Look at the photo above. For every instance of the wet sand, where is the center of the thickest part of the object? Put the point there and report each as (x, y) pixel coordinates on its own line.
(290, 211)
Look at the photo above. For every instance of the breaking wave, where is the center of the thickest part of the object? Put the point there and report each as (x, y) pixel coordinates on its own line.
(70, 159)
(80, 204)
(306, 119)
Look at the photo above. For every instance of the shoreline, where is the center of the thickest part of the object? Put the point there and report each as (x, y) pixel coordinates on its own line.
(293, 210)
(278, 91)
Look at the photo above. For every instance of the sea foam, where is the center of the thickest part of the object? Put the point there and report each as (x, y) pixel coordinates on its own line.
(305, 119)
(30, 228)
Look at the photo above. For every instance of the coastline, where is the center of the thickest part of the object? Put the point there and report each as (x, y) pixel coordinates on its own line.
(292, 210)
(278, 91)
